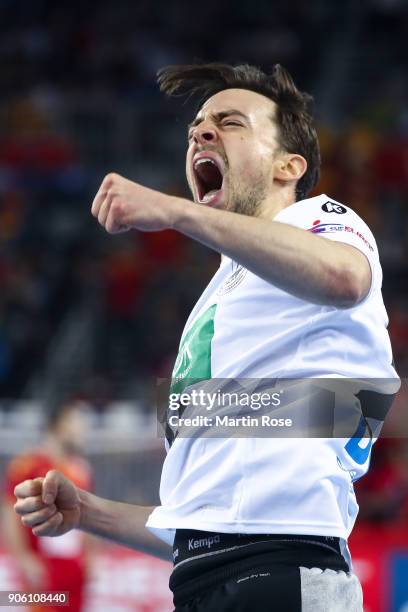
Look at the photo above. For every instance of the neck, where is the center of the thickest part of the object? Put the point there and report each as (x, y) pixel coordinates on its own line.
(276, 201)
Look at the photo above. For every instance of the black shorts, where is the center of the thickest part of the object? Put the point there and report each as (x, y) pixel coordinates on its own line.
(217, 572)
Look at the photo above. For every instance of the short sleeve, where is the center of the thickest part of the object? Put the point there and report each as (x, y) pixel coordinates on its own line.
(329, 219)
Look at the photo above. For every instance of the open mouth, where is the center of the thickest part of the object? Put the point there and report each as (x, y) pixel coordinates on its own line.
(208, 178)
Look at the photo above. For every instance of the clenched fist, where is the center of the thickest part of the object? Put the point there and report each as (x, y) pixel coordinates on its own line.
(121, 204)
(50, 505)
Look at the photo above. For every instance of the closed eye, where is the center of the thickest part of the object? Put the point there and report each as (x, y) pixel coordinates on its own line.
(224, 123)
(230, 122)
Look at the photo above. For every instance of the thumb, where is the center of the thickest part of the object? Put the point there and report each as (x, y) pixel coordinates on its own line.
(50, 486)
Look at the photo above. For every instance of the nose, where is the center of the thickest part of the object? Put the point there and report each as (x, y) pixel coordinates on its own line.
(204, 134)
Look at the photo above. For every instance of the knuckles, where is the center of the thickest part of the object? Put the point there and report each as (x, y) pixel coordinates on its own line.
(115, 217)
(111, 206)
(53, 474)
(109, 180)
(31, 504)
(40, 516)
(26, 488)
(116, 208)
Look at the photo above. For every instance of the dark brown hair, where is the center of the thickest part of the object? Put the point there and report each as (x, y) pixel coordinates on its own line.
(294, 121)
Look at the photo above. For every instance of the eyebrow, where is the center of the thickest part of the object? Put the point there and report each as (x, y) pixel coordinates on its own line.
(219, 116)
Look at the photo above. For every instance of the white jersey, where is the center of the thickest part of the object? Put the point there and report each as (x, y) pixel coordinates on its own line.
(245, 327)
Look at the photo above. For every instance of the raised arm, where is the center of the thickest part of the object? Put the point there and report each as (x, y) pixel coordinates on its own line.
(301, 263)
(53, 505)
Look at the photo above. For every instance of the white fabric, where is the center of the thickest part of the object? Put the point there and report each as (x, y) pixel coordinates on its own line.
(330, 591)
(301, 486)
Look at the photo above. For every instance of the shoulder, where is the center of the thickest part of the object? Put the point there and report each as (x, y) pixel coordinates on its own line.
(326, 216)
(322, 205)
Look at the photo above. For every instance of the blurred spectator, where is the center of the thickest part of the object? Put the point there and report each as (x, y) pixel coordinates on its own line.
(60, 564)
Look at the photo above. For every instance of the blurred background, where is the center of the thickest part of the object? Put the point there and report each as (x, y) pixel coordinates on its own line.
(96, 317)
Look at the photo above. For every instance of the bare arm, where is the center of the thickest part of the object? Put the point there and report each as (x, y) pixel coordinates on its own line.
(121, 523)
(303, 264)
(53, 505)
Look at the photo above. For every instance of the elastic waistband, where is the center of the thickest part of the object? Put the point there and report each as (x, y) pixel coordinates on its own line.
(191, 544)
(204, 560)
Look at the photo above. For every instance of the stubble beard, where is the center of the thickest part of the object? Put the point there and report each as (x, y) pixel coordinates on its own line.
(247, 199)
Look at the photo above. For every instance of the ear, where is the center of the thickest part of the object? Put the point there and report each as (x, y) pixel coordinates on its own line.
(290, 167)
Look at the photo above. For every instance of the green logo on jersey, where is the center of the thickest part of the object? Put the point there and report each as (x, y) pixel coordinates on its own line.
(194, 357)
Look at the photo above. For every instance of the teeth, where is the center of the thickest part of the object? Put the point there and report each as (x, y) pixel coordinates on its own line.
(208, 196)
(204, 160)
